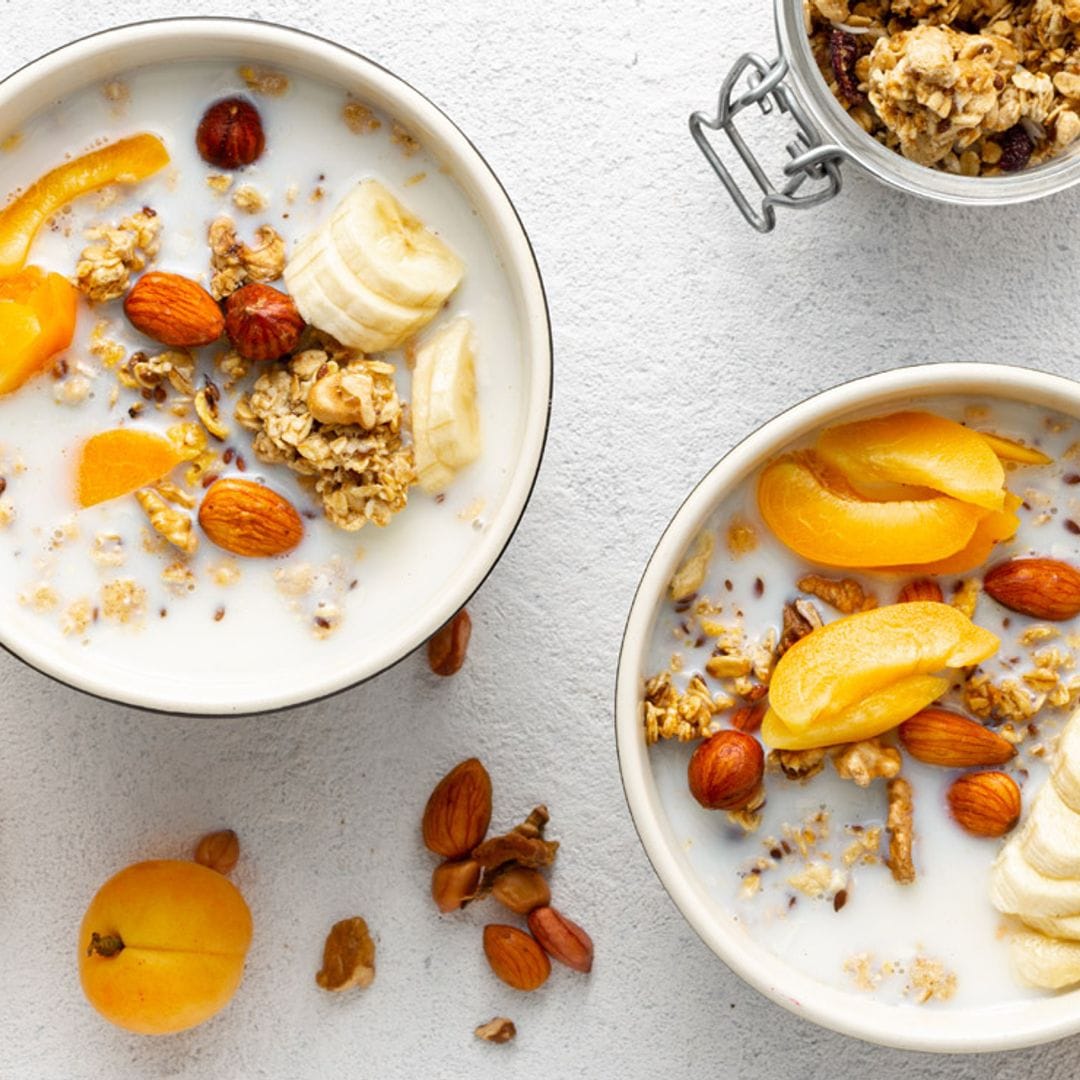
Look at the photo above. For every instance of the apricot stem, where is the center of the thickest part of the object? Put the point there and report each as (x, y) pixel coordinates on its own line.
(106, 946)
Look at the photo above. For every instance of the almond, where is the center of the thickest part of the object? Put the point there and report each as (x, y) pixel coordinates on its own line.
(249, 519)
(447, 648)
(1042, 588)
(515, 957)
(454, 884)
(726, 770)
(985, 803)
(521, 889)
(939, 737)
(923, 589)
(174, 310)
(458, 813)
(748, 718)
(562, 939)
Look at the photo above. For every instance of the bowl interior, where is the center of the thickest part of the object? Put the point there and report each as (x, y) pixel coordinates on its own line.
(705, 904)
(414, 586)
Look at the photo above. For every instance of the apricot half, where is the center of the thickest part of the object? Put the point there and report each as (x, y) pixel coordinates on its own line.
(877, 713)
(819, 517)
(162, 946)
(118, 462)
(917, 448)
(844, 662)
(37, 321)
(126, 161)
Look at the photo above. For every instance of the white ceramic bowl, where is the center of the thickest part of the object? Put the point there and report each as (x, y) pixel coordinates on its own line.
(1000, 1027)
(92, 60)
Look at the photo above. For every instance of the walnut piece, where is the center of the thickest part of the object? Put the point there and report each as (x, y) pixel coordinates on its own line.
(900, 825)
(235, 263)
(800, 618)
(348, 956)
(361, 475)
(846, 595)
(798, 764)
(866, 761)
(105, 267)
(669, 714)
(524, 845)
(499, 1030)
(174, 525)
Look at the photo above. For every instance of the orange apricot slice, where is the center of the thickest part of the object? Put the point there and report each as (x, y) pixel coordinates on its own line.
(877, 713)
(37, 321)
(126, 161)
(822, 520)
(118, 462)
(1008, 450)
(917, 448)
(844, 662)
(992, 530)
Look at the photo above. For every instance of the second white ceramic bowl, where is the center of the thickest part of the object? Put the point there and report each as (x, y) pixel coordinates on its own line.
(1001, 1027)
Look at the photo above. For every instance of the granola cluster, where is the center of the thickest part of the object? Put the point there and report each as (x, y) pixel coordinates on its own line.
(976, 87)
(361, 471)
(116, 252)
(236, 263)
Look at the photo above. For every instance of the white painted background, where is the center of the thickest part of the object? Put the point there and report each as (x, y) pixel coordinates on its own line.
(677, 330)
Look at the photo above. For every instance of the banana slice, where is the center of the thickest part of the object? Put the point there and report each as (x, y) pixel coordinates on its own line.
(1066, 771)
(1050, 840)
(330, 298)
(1045, 962)
(1018, 889)
(391, 251)
(372, 275)
(446, 422)
(1066, 927)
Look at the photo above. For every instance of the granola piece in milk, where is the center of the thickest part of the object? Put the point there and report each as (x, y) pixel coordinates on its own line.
(106, 265)
(362, 470)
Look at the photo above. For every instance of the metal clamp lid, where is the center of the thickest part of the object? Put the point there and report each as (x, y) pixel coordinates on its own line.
(811, 159)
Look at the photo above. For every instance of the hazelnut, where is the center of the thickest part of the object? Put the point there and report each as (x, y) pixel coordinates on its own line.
(219, 851)
(262, 323)
(726, 770)
(230, 134)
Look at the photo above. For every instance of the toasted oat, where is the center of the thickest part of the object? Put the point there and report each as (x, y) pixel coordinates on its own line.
(865, 847)
(107, 549)
(7, 513)
(219, 182)
(966, 598)
(669, 714)
(249, 199)
(749, 817)
(264, 81)
(690, 575)
(929, 980)
(818, 879)
(900, 824)
(741, 537)
(123, 599)
(179, 578)
(846, 595)
(77, 618)
(41, 598)
(359, 119)
(404, 140)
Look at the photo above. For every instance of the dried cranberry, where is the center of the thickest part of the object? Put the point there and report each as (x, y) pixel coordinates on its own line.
(843, 52)
(1016, 147)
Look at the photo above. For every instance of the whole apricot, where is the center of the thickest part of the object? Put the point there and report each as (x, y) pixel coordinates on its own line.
(162, 946)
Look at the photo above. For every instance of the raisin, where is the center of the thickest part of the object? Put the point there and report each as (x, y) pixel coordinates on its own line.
(1016, 147)
(843, 52)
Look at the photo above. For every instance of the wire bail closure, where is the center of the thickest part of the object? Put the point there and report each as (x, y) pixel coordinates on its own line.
(811, 159)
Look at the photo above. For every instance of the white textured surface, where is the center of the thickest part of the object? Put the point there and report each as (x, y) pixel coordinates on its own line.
(677, 330)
